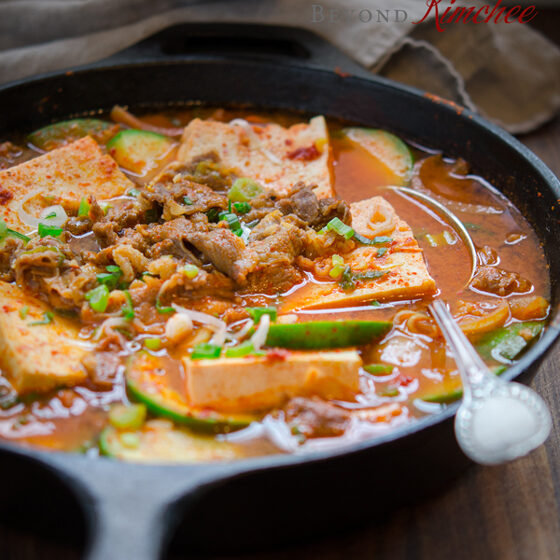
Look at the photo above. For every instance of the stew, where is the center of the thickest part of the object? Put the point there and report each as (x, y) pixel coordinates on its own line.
(210, 284)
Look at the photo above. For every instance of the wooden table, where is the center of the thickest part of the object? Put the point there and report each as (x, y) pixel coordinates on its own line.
(510, 512)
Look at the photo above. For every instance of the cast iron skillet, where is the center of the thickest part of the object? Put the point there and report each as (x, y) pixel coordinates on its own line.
(131, 511)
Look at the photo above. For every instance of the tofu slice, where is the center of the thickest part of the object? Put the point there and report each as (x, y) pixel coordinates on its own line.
(259, 382)
(270, 154)
(406, 275)
(66, 174)
(40, 357)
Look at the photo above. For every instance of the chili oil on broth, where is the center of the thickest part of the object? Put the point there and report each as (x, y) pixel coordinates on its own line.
(71, 419)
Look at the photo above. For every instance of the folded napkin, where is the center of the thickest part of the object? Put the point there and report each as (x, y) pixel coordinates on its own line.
(509, 73)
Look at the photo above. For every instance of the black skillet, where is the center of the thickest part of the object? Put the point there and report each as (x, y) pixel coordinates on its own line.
(131, 511)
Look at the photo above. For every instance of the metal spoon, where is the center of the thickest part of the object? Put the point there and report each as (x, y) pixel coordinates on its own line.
(497, 421)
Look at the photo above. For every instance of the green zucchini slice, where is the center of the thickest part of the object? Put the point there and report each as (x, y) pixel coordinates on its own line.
(139, 151)
(319, 335)
(390, 150)
(502, 345)
(63, 132)
(156, 382)
(506, 343)
(159, 442)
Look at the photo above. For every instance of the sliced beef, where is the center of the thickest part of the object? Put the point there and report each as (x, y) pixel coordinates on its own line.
(316, 418)
(302, 202)
(274, 244)
(204, 284)
(500, 282)
(179, 195)
(9, 249)
(105, 233)
(223, 249)
(67, 289)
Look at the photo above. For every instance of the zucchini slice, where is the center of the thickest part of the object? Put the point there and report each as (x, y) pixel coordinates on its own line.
(139, 151)
(502, 345)
(150, 379)
(63, 132)
(506, 343)
(159, 442)
(390, 150)
(318, 335)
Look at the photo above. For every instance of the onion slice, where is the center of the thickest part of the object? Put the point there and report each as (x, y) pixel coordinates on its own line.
(28, 219)
(240, 334)
(121, 115)
(259, 338)
(218, 326)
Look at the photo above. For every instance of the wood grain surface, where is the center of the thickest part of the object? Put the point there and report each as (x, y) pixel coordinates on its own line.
(510, 512)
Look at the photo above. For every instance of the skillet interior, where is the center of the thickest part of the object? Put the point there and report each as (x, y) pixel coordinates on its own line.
(255, 508)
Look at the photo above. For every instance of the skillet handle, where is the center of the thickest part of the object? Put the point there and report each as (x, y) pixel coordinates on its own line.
(131, 509)
(231, 40)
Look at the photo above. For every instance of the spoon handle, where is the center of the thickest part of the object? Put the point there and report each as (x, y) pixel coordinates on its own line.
(473, 370)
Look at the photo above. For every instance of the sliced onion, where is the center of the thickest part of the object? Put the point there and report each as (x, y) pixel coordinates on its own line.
(251, 133)
(121, 115)
(240, 334)
(60, 217)
(259, 338)
(110, 323)
(218, 326)
(25, 217)
(33, 221)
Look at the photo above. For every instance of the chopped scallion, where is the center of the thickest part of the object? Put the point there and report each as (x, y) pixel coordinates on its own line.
(84, 208)
(24, 311)
(187, 201)
(152, 343)
(128, 307)
(244, 190)
(213, 214)
(257, 312)
(338, 226)
(46, 230)
(162, 309)
(190, 270)
(233, 222)
(98, 298)
(48, 317)
(381, 251)
(111, 277)
(379, 240)
(242, 207)
(338, 266)
(206, 351)
(241, 350)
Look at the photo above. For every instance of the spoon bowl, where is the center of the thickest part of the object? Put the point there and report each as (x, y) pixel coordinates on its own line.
(497, 421)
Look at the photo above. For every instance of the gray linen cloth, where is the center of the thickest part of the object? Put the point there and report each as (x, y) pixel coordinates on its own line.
(509, 73)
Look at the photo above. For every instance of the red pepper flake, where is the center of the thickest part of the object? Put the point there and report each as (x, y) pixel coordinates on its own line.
(277, 355)
(405, 380)
(5, 196)
(305, 154)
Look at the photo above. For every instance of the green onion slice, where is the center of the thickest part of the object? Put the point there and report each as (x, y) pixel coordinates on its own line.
(206, 351)
(48, 317)
(257, 312)
(98, 298)
(45, 230)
